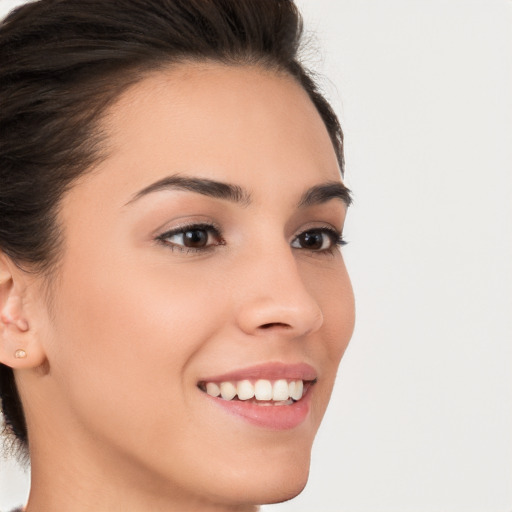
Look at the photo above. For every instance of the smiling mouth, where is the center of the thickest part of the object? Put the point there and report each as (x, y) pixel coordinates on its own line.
(261, 392)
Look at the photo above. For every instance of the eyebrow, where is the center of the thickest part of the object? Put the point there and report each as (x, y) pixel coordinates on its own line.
(206, 187)
(325, 192)
(317, 194)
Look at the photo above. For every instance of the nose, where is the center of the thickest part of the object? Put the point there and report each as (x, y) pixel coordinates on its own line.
(275, 298)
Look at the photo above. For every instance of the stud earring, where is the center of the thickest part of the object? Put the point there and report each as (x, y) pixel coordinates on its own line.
(20, 354)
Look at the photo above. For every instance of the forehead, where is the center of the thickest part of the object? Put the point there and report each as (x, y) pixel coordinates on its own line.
(241, 124)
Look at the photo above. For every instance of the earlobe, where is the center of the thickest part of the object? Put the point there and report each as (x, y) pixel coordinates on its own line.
(19, 348)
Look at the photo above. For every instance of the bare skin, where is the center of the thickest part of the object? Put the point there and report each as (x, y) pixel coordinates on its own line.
(116, 418)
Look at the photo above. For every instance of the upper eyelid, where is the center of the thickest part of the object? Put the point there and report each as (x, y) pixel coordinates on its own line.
(324, 227)
(188, 227)
(163, 238)
(335, 234)
(213, 227)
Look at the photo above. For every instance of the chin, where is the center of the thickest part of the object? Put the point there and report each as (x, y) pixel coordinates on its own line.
(267, 491)
(289, 490)
(274, 482)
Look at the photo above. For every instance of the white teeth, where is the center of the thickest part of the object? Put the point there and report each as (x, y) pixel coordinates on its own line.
(279, 392)
(263, 390)
(212, 389)
(227, 391)
(298, 389)
(245, 390)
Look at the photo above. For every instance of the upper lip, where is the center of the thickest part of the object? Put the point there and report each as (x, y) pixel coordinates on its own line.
(270, 371)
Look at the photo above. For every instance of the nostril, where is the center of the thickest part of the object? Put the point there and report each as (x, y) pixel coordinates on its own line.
(273, 324)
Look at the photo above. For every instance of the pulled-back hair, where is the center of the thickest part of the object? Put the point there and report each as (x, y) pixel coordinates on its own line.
(63, 62)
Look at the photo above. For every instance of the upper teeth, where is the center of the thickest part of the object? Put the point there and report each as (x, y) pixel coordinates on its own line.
(262, 389)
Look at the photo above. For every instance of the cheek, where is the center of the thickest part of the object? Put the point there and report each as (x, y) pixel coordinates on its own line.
(131, 306)
(332, 289)
(124, 336)
(339, 307)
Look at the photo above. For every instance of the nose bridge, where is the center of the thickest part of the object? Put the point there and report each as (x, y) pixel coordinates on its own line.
(275, 296)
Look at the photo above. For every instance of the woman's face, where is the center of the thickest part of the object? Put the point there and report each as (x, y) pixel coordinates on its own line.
(203, 251)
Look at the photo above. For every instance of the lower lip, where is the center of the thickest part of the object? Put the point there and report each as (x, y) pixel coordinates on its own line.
(274, 417)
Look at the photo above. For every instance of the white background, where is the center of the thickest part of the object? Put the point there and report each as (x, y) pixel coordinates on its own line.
(421, 419)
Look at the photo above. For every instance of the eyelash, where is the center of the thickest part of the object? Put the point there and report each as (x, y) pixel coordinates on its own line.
(336, 238)
(209, 228)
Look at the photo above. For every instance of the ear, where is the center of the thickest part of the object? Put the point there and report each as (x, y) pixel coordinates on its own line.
(19, 345)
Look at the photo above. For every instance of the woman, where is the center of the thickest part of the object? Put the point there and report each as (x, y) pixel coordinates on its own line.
(174, 304)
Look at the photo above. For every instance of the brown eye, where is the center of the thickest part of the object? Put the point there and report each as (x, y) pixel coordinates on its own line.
(313, 240)
(195, 238)
(317, 240)
(198, 237)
